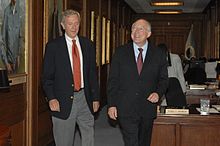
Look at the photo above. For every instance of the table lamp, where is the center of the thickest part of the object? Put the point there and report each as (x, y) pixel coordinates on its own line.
(4, 82)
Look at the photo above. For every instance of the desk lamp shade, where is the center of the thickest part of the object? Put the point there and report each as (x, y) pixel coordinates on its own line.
(4, 83)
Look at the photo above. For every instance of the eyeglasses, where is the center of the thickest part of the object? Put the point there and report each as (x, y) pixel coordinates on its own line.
(139, 29)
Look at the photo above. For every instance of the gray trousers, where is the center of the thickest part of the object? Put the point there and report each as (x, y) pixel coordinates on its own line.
(64, 130)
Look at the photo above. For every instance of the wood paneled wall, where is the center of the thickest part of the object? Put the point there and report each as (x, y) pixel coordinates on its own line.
(211, 30)
(173, 30)
(37, 107)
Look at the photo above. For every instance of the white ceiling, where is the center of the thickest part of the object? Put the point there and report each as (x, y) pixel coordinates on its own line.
(190, 6)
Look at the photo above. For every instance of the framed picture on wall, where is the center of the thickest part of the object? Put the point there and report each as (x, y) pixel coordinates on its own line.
(52, 17)
(108, 30)
(13, 30)
(103, 60)
(95, 32)
(113, 38)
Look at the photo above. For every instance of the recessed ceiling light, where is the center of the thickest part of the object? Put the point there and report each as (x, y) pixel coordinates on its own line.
(167, 3)
(168, 11)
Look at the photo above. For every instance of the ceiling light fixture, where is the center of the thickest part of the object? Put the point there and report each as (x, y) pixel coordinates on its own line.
(167, 3)
(168, 11)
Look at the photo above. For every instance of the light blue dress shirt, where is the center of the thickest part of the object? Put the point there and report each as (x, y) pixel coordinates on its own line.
(136, 51)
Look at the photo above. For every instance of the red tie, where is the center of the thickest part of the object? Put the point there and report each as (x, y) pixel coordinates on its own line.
(140, 61)
(76, 67)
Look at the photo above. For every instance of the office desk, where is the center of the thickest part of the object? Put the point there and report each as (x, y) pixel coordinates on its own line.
(194, 96)
(186, 130)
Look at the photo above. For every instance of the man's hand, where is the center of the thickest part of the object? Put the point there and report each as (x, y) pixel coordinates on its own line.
(54, 105)
(112, 112)
(95, 106)
(154, 97)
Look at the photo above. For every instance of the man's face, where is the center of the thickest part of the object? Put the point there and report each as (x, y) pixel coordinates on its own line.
(71, 25)
(140, 32)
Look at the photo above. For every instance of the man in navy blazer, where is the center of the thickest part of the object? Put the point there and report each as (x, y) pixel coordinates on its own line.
(68, 105)
(133, 97)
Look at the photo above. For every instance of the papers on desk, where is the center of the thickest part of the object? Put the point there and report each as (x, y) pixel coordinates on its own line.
(217, 107)
(211, 110)
(218, 93)
(195, 86)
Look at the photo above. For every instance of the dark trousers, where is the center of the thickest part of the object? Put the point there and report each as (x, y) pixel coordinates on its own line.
(136, 130)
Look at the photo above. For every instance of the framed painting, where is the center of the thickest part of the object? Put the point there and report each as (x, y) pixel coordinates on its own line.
(113, 39)
(103, 60)
(52, 17)
(97, 40)
(92, 27)
(13, 29)
(95, 32)
(108, 41)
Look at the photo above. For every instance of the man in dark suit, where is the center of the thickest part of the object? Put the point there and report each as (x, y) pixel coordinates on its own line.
(133, 93)
(70, 83)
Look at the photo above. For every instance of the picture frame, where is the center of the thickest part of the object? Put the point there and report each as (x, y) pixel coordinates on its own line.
(92, 23)
(14, 41)
(103, 40)
(113, 38)
(95, 32)
(52, 17)
(108, 30)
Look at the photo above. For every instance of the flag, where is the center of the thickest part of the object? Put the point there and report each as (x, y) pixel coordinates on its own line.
(190, 45)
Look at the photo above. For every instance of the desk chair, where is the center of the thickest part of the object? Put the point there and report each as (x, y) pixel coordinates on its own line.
(174, 94)
(196, 76)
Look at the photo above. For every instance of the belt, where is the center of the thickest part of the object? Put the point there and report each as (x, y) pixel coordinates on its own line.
(79, 90)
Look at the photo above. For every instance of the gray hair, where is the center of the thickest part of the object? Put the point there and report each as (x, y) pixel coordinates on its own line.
(147, 22)
(67, 13)
(149, 25)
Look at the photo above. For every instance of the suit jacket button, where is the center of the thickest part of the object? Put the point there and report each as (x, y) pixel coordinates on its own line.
(72, 85)
(71, 97)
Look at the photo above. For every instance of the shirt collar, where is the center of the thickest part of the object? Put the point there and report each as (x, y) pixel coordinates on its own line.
(70, 39)
(144, 47)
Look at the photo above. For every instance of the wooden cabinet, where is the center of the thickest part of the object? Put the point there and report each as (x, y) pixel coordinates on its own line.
(13, 114)
(186, 130)
(4, 136)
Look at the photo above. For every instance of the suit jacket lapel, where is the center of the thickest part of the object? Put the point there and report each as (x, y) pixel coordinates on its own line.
(132, 60)
(65, 58)
(148, 58)
(82, 45)
(84, 53)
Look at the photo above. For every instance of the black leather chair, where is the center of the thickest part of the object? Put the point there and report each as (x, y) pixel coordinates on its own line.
(196, 73)
(174, 94)
(196, 76)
